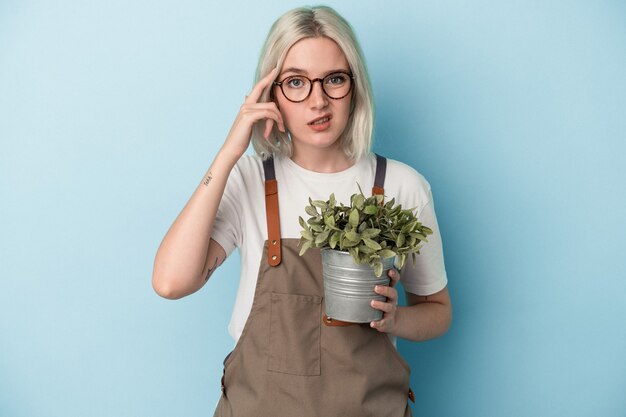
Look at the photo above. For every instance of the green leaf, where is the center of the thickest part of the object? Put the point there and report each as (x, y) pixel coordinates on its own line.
(370, 210)
(378, 268)
(307, 245)
(358, 201)
(334, 239)
(354, 252)
(321, 238)
(349, 244)
(372, 244)
(366, 249)
(353, 236)
(402, 260)
(386, 253)
(302, 222)
(409, 227)
(306, 234)
(371, 200)
(329, 220)
(354, 218)
(400, 240)
(370, 233)
(319, 204)
(311, 211)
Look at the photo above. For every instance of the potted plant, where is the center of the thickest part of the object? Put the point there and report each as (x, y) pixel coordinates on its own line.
(358, 243)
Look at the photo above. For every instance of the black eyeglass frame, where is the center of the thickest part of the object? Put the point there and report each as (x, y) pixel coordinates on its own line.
(311, 81)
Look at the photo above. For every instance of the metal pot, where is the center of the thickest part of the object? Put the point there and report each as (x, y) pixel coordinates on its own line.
(349, 287)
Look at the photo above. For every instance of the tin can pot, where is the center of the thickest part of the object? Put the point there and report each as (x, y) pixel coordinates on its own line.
(349, 287)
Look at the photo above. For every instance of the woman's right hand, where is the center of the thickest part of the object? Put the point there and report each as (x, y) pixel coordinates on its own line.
(252, 111)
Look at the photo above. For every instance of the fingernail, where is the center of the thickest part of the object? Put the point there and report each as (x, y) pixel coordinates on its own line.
(377, 288)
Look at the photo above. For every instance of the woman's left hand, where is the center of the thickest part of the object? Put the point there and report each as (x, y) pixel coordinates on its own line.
(389, 308)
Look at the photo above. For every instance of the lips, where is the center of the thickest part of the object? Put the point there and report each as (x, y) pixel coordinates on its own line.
(326, 116)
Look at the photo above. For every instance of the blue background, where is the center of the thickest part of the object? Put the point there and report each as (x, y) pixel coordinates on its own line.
(111, 112)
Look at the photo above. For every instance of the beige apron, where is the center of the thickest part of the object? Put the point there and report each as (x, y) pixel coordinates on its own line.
(290, 361)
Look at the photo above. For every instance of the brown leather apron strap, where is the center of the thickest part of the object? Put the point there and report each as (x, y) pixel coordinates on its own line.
(272, 213)
(379, 180)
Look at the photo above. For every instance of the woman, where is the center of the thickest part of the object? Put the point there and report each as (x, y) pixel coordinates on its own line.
(310, 119)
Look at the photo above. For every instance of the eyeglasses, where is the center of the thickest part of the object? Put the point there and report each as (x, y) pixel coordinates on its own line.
(297, 88)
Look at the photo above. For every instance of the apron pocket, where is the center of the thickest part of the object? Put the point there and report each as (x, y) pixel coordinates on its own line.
(295, 327)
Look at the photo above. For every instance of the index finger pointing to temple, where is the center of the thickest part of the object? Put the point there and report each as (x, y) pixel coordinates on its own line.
(256, 92)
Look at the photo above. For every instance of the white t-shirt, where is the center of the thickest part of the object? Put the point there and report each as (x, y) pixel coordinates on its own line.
(241, 217)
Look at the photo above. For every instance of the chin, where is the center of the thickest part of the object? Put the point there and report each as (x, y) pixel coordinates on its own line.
(321, 140)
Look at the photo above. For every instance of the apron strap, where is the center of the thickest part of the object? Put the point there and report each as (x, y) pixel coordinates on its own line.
(379, 180)
(272, 213)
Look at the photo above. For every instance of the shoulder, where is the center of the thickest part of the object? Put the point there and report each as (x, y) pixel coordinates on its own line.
(406, 176)
(249, 163)
(249, 167)
(408, 186)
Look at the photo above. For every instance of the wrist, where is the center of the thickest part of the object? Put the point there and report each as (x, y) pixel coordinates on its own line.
(226, 157)
(396, 329)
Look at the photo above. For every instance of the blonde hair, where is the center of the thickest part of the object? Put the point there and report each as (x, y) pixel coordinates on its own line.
(307, 22)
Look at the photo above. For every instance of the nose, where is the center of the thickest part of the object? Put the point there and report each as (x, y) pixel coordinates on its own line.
(318, 98)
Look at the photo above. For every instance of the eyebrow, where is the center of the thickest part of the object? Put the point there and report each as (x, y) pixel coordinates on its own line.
(301, 71)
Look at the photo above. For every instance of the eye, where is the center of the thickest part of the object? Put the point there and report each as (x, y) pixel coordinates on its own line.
(295, 82)
(336, 79)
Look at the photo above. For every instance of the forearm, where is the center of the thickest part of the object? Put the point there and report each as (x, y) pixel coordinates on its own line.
(423, 321)
(181, 256)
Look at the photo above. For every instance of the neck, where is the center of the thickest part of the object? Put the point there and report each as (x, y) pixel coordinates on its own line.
(326, 161)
